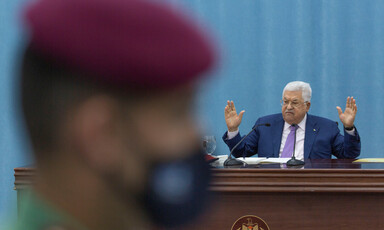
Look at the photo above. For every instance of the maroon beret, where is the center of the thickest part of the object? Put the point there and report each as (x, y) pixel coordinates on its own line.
(124, 42)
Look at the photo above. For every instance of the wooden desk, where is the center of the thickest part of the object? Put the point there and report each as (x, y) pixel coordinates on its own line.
(325, 194)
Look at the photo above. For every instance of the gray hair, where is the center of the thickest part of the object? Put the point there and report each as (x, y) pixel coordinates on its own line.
(304, 87)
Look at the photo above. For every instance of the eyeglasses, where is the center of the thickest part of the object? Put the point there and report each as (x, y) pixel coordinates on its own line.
(294, 104)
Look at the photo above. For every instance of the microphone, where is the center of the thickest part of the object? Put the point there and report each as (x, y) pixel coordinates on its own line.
(233, 161)
(293, 161)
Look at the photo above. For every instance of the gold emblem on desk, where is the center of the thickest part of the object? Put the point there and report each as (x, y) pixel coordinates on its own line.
(250, 222)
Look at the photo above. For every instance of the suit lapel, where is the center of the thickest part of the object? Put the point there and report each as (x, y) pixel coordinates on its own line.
(277, 127)
(311, 130)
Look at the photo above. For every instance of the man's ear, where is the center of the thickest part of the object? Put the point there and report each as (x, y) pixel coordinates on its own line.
(308, 106)
(95, 134)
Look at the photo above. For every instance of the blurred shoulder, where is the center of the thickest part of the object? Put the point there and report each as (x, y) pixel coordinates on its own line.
(271, 118)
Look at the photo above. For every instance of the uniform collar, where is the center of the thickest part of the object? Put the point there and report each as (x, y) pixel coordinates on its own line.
(38, 212)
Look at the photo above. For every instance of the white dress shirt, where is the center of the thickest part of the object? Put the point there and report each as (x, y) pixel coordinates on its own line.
(300, 136)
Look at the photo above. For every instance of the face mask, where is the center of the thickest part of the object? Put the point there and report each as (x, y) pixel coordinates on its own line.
(177, 191)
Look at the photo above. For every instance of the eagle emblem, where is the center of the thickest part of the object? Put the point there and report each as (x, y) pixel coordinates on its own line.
(250, 223)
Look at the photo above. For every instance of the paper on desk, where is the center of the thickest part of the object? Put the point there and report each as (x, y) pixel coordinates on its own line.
(253, 160)
(264, 160)
(370, 160)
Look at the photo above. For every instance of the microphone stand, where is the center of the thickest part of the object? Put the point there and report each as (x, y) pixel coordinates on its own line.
(230, 161)
(293, 161)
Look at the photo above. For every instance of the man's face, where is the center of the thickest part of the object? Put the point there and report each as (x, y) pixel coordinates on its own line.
(294, 108)
(159, 129)
(164, 125)
(119, 141)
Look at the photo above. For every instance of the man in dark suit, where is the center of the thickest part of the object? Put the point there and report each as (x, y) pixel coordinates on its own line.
(316, 137)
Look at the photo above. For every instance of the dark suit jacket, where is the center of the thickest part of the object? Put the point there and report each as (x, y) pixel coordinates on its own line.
(322, 139)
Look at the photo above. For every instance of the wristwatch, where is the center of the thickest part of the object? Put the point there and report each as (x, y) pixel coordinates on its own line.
(349, 129)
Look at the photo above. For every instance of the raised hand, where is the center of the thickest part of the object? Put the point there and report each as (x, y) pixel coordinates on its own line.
(232, 119)
(348, 117)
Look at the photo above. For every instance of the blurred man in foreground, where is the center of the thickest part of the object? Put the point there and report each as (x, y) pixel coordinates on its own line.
(107, 94)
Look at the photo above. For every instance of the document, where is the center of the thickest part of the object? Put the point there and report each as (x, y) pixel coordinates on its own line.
(264, 160)
(254, 160)
(369, 160)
